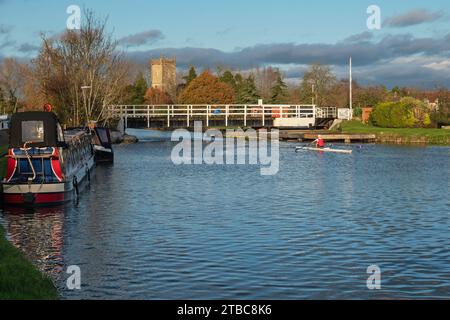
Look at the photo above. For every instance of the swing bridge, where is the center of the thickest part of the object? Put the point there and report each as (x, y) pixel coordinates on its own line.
(260, 115)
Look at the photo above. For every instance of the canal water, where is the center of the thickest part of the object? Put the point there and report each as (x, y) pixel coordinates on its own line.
(147, 229)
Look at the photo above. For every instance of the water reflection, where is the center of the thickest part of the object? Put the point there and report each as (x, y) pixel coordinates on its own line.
(39, 234)
(147, 229)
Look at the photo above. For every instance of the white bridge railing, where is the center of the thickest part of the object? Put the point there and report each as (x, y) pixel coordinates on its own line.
(220, 112)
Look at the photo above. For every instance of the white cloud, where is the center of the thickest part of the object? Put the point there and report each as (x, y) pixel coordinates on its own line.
(441, 65)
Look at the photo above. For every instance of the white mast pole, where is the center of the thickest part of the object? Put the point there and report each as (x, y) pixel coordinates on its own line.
(351, 89)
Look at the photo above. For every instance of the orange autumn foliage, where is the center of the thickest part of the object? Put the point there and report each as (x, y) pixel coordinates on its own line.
(156, 96)
(207, 89)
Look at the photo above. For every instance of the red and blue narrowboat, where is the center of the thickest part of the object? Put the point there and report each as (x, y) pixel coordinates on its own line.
(45, 165)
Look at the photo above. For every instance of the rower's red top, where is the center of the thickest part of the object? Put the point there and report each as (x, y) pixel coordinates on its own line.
(320, 143)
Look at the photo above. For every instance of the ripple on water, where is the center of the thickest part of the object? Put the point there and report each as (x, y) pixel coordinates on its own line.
(148, 229)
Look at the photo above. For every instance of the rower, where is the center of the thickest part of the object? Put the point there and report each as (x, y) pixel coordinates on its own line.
(320, 143)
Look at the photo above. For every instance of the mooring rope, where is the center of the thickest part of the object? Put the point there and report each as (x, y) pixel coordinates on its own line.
(29, 160)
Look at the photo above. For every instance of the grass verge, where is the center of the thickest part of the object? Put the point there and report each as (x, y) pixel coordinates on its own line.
(19, 278)
(401, 135)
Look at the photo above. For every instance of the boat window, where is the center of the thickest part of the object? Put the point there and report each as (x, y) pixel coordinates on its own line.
(60, 133)
(103, 135)
(33, 131)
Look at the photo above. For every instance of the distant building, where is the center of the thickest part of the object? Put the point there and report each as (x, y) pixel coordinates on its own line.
(4, 122)
(433, 106)
(164, 74)
(365, 117)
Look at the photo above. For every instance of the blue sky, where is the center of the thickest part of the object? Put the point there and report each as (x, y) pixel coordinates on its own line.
(246, 34)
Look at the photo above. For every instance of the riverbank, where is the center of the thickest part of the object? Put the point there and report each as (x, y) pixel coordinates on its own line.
(118, 138)
(398, 135)
(19, 278)
(359, 132)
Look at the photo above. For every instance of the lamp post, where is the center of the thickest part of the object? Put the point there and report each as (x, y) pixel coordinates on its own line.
(313, 91)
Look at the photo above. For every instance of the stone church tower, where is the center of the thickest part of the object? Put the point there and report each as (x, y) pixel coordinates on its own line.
(164, 74)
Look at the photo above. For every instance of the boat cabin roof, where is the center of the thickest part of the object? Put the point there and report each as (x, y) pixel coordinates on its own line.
(74, 134)
(36, 128)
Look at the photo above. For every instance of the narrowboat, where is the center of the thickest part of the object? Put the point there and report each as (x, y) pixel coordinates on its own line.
(103, 150)
(45, 165)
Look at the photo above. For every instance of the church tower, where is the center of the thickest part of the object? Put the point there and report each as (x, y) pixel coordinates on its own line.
(164, 74)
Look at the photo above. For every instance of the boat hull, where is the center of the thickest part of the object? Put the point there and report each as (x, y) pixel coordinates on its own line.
(102, 143)
(45, 165)
(36, 199)
(103, 155)
(47, 194)
(325, 150)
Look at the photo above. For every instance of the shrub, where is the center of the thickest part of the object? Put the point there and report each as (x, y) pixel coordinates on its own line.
(357, 112)
(380, 116)
(406, 113)
(427, 120)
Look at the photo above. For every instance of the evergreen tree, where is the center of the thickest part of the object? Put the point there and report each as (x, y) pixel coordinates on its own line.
(279, 91)
(228, 78)
(191, 76)
(138, 90)
(246, 90)
(396, 90)
(238, 79)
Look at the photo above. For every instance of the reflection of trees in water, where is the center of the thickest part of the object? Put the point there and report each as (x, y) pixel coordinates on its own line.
(39, 234)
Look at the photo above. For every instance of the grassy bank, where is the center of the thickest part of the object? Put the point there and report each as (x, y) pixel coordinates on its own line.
(19, 279)
(399, 135)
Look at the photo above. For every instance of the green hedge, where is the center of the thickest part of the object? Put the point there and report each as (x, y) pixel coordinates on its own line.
(406, 113)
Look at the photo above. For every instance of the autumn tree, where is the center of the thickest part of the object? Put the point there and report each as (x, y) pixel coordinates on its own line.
(207, 89)
(3, 103)
(85, 58)
(398, 93)
(294, 97)
(442, 115)
(369, 96)
(156, 96)
(265, 79)
(317, 84)
(339, 94)
(11, 83)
